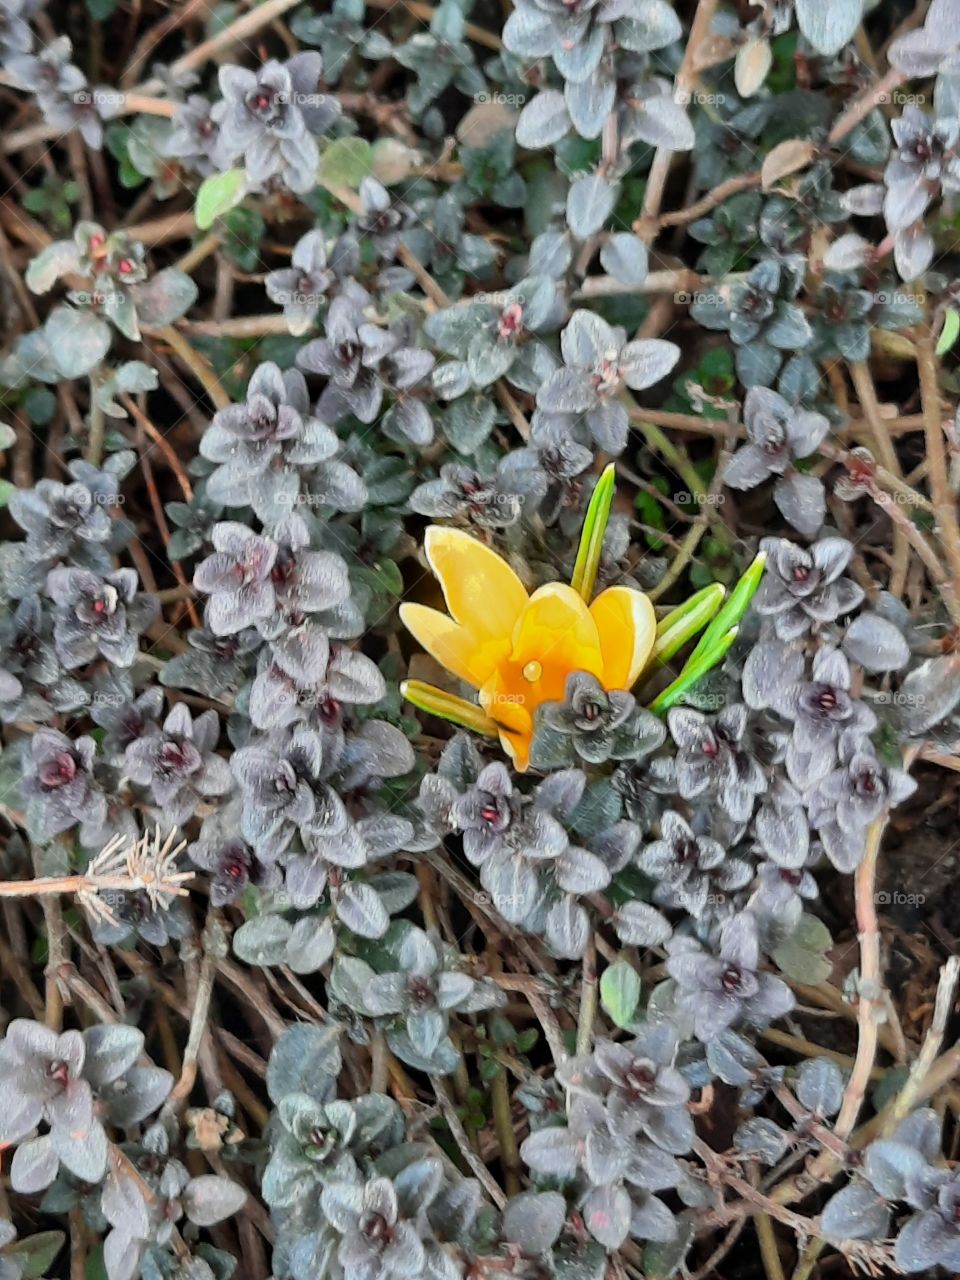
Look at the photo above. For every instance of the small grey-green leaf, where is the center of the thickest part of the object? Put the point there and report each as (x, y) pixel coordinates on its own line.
(50, 264)
(590, 202)
(358, 905)
(263, 940)
(165, 297)
(829, 24)
(209, 1199)
(346, 162)
(624, 256)
(217, 195)
(78, 340)
(620, 992)
(305, 1059)
(310, 944)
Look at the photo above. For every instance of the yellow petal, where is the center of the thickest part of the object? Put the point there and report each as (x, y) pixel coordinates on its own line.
(627, 626)
(481, 590)
(453, 646)
(554, 635)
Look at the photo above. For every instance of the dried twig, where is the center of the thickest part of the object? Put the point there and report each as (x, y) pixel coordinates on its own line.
(493, 1189)
(122, 866)
(944, 503)
(907, 1098)
(870, 1002)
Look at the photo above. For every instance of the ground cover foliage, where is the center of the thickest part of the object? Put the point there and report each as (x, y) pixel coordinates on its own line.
(481, 576)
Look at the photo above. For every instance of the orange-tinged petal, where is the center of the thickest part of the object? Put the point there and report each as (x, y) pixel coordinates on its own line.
(511, 702)
(517, 747)
(453, 646)
(506, 702)
(553, 636)
(481, 590)
(627, 627)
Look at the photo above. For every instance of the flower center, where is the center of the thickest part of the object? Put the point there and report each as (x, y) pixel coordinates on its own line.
(867, 783)
(58, 771)
(320, 1144)
(490, 811)
(640, 1078)
(421, 994)
(511, 321)
(284, 568)
(731, 979)
(329, 710)
(687, 851)
(172, 759)
(772, 437)
(532, 671)
(606, 379)
(376, 1228)
(262, 103)
(924, 149)
(233, 864)
(59, 1072)
(752, 303)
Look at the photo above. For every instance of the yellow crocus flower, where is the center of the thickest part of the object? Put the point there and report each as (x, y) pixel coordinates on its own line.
(517, 649)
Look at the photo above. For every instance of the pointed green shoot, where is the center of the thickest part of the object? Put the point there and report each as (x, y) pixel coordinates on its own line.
(437, 702)
(680, 626)
(950, 331)
(594, 529)
(716, 640)
(692, 673)
(732, 612)
(716, 591)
